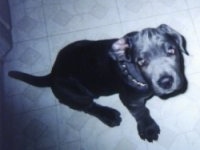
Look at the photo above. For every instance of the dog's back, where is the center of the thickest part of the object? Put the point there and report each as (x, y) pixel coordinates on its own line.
(90, 63)
(86, 61)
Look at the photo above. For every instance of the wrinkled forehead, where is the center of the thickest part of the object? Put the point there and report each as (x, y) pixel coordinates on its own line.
(151, 40)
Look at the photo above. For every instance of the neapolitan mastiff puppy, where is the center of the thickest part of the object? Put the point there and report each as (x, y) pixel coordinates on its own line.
(137, 66)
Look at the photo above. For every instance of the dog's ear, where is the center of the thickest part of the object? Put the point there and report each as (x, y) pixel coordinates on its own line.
(120, 47)
(129, 71)
(180, 40)
(118, 50)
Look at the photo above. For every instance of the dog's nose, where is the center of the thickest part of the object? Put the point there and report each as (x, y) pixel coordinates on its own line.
(166, 82)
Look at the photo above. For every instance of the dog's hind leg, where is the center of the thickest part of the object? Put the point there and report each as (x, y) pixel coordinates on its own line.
(107, 115)
(73, 94)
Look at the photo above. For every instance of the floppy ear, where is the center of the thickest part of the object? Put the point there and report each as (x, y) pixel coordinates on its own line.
(118, 50)
(180, 40)
(127, 68)
(121, 47)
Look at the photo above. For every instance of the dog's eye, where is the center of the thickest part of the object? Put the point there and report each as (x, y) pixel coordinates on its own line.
(141, 62)
(171, 51)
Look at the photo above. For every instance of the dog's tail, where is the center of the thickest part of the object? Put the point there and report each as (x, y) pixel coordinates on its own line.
(43, 81)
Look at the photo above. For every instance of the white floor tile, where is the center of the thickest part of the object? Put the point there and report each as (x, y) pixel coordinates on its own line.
(68, 17)
(72, 145)
(30, 55)
(193, 3)
(196, 20)
(28, 22)
(167, 6)
(36, 129)
(131, 10)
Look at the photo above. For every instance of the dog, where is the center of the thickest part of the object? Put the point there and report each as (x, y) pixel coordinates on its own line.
(138, 66)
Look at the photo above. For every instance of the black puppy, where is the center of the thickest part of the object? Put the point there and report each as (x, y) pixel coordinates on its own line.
(137, 66)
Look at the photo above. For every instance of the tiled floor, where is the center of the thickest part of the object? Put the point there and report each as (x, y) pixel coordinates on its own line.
(34, 119)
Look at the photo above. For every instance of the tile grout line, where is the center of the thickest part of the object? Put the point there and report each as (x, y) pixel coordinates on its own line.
(193, 24)
(47, 37)
(120, 19)
(118, 11)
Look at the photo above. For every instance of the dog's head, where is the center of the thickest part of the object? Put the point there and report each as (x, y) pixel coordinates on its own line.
(152, 59)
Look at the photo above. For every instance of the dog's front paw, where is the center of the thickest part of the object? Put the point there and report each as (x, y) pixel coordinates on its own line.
(110, 117)
(148, 130)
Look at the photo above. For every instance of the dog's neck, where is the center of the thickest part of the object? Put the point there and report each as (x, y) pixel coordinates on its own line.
(124, 69)
(118, 54)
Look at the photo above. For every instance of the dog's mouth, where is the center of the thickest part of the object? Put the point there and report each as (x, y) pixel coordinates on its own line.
(129, 74)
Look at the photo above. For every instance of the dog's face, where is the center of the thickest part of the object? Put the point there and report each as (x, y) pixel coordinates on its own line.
(156, 53)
